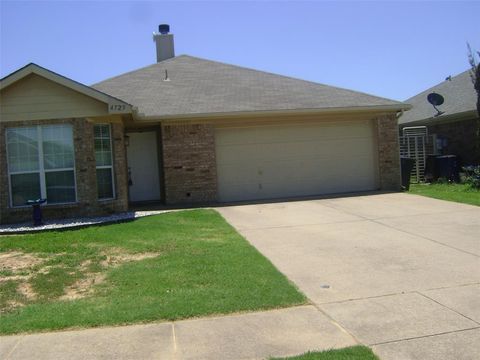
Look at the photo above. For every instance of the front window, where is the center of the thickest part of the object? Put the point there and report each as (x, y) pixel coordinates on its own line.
(104, 161)
(41, 164)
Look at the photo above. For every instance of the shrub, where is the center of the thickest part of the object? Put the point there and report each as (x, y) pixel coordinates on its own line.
(472, 176)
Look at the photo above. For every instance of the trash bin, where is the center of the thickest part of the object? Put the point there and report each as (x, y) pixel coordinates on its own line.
(406, 166)
(36, 211)
(447, 167)
(431, 173)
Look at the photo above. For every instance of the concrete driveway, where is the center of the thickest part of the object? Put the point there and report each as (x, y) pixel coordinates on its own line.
(399, 272)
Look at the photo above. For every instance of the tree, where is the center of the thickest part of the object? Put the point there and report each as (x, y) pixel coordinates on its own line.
(475, 74)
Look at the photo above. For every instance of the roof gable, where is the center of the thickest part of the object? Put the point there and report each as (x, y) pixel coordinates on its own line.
(115, 106)
(36, 98)
(201, 87)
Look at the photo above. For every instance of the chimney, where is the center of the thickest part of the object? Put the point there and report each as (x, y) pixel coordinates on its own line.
(164, 42)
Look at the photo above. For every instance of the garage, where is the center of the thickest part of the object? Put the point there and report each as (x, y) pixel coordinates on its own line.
(227, 133)
(278, 161)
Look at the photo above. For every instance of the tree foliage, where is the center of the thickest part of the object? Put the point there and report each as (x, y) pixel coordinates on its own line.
(475, 74)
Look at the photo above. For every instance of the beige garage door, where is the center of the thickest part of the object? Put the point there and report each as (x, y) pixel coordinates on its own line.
(266, 162)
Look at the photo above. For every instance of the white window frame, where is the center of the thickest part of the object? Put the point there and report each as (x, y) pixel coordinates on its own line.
(111, 167)
(41, 167)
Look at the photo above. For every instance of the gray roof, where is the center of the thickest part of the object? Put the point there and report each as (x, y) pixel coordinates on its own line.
(198, 86)
(459, 94)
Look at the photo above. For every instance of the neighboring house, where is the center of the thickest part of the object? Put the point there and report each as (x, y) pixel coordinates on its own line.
(456, 129)
(187, 130)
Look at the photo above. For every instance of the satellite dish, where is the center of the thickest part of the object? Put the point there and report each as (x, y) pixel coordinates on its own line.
(436, 100)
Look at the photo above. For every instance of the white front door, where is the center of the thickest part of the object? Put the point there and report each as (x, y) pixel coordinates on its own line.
(142, 156)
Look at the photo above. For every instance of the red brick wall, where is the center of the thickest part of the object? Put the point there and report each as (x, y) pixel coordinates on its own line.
(461, 140)
(388, 153)
(189, 163)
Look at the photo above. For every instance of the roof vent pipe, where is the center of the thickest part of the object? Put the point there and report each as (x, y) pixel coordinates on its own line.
(164, 42)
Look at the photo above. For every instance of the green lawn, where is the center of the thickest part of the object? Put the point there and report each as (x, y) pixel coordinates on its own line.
(452, 192)
(165, 267)
(350, 353)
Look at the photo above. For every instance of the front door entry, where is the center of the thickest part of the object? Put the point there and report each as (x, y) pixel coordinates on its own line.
(142, 157)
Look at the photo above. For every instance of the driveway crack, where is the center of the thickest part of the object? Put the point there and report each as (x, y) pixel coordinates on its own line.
(174, 340)
(426, 238)
(336, 323)
(447, 307)
(376, 221)
(297, 225)
(424, 336)
(14, 347)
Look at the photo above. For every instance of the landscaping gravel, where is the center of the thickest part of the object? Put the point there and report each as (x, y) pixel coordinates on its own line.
(75, 222)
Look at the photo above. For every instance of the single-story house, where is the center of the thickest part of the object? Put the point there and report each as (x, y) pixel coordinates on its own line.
(456, 125)
(186, 130)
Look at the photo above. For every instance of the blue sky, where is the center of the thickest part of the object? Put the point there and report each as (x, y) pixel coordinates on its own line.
(390, 49)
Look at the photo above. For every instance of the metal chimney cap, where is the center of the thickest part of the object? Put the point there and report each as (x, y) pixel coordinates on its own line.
(163, 29)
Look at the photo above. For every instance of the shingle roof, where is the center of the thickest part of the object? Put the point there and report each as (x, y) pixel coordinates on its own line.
(459, 95)
(198, 86)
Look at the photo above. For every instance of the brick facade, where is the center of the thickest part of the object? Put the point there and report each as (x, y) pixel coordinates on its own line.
(388, 153)
(189, 167)
(189, 163)
(461, 139)
(86, 181)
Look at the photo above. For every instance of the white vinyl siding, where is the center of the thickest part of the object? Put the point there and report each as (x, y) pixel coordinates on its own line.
(104, 162)
(264, 162)
(41, 164)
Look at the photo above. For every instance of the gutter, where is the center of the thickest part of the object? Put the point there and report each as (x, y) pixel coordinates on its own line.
(465, 115)
(238, 114)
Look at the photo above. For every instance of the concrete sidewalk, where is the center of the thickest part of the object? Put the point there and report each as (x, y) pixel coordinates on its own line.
(244, 336)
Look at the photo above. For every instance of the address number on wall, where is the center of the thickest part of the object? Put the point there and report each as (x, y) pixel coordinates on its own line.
(117, 108)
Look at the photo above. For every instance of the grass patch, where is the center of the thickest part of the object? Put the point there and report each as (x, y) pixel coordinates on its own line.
(9, 297)
(51, 285)
(350, 353)
(462, 193)
(166, 267)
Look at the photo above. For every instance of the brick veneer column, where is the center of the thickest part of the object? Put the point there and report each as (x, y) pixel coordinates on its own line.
(85, 165)
(120, 167)
(189, 163)
(388, 152)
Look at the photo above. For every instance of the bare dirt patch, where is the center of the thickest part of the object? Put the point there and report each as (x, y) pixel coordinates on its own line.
(11, 305)
(19, 267)
(118, 258)
(84, 287)
(14, 278)
(26, 290)
(18, 261)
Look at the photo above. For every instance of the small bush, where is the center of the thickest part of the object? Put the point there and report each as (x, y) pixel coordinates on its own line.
(443, 180)
(472, 176)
